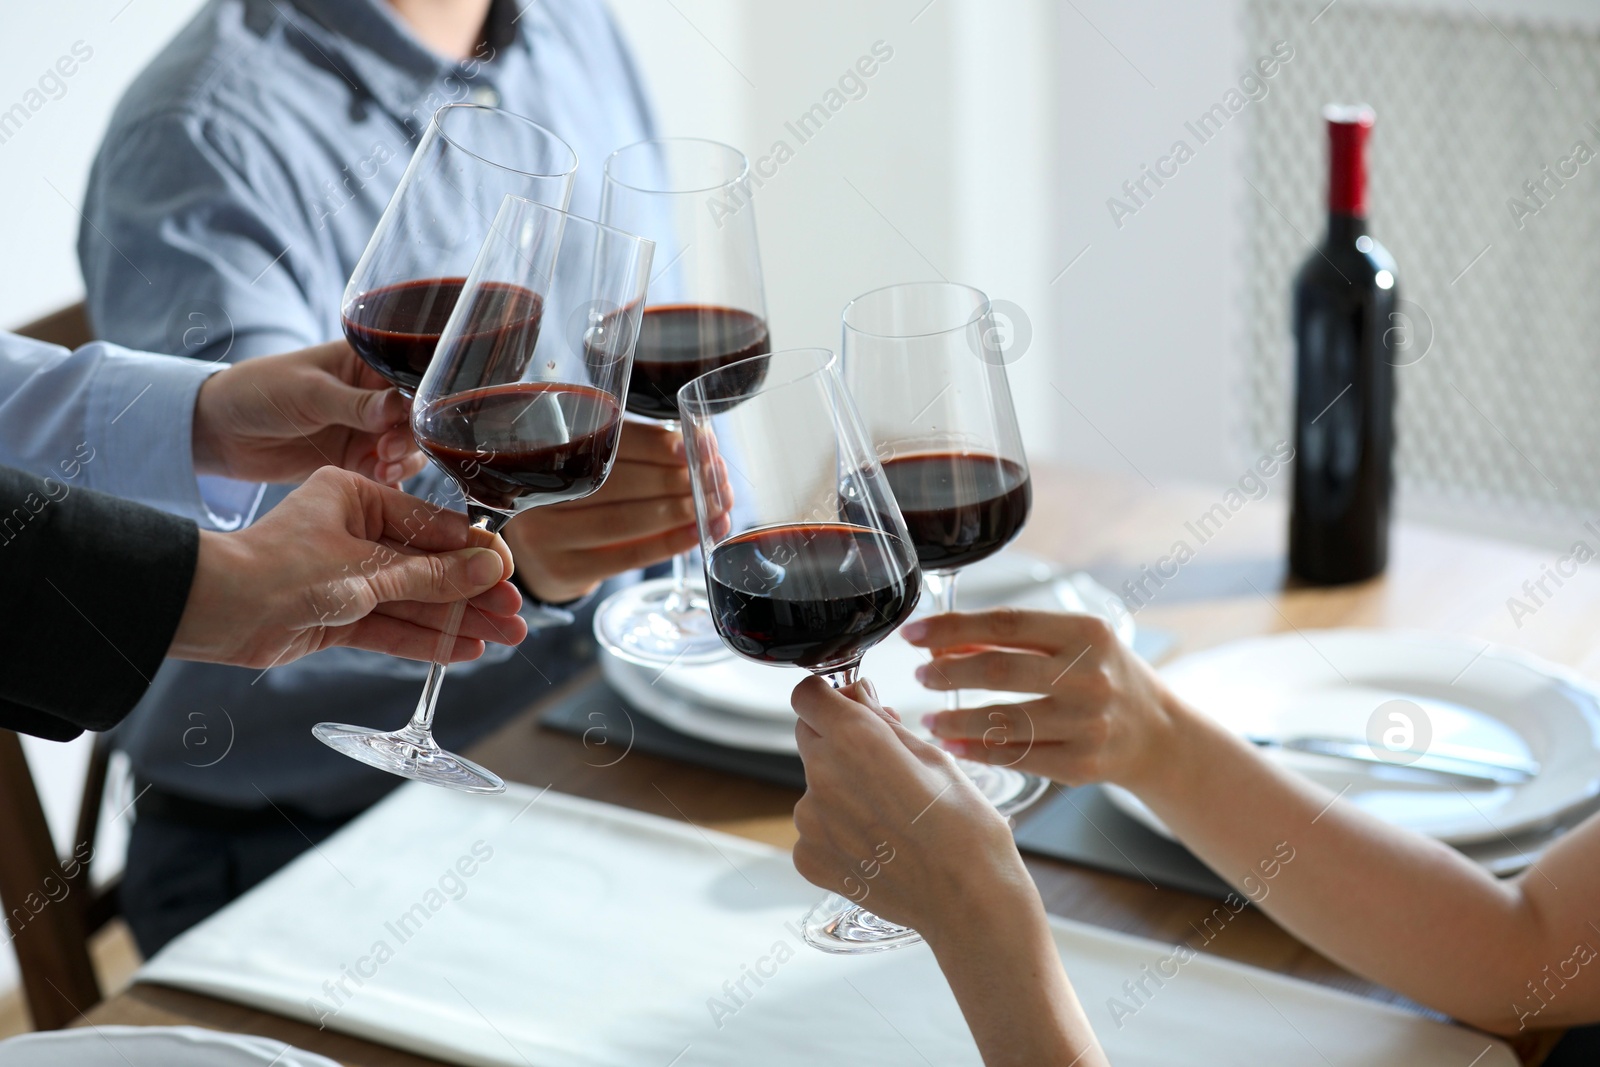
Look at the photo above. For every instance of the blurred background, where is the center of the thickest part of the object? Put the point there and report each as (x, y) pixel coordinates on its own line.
(997, 145)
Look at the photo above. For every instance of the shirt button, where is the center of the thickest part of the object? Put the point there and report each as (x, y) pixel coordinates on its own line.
(486, 96)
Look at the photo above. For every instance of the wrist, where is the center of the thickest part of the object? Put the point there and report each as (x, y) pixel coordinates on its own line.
(992, 936)
(205, 444)
(1181, 739)
(214, 592)
(985, 904)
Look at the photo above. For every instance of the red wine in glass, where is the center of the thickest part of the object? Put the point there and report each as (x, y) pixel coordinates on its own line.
(396, 328)
(496, 442)
(959, 507)
(468, 159)
(810, 595)
(680, 342)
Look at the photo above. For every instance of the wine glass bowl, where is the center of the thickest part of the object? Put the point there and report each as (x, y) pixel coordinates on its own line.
(921, 359)
(706, 310)
(807, 559)
(521, 406)
(407, 282)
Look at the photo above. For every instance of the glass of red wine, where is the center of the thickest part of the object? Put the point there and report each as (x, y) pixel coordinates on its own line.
(407, 282)
(706, 310)
(814, 566)
(521, 406)
(924, 363)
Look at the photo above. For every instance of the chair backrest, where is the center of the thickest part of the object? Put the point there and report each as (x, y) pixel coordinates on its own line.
(68, 327)
(51, 906)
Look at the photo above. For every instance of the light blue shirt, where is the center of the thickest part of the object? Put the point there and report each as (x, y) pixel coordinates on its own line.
(117, 421)
(237, 186)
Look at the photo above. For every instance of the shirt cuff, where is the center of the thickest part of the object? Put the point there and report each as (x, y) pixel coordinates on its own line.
(143, 407)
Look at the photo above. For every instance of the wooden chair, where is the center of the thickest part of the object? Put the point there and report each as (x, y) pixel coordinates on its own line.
(68, 327)
(51, 907)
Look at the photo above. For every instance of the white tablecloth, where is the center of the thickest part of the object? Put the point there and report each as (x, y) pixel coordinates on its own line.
(541, 929)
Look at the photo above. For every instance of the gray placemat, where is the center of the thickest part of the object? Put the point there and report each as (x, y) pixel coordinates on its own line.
(1082, 826)
(610, 726)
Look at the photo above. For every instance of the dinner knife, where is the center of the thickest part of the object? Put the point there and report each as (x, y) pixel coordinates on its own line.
(1467, 765)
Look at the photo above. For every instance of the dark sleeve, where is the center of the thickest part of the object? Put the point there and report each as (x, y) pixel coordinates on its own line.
(91, 591)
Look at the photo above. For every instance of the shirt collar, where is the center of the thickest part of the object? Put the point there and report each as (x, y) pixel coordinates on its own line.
(371, 43)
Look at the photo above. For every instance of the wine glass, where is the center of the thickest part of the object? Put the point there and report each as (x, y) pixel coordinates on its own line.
(521, 406)
(921, 360)
(815, 566)
(706, 309)
(406, 284)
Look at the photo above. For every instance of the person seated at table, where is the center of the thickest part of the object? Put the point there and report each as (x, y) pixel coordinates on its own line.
(241, 177)
(956, 877)
(1406, 911)
(343, 561)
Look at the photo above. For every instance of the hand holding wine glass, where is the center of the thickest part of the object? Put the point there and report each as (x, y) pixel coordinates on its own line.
(642, 516)
(344, 561)
(940, 858)
(814, 565)
(279, 418)
(521, 406)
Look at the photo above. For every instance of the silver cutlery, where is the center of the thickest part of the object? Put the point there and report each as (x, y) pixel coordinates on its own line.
(1462, 765)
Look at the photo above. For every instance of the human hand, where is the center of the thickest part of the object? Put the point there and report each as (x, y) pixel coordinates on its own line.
(278, 418)
(644, 514)
(343, 560)
(890, 822)
(1102, 714)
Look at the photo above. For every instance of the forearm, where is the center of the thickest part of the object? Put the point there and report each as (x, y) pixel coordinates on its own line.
(1401, 909)
(94, 588)
(1003, 967)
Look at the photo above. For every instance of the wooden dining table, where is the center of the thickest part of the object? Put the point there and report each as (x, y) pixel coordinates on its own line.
(1113, 526)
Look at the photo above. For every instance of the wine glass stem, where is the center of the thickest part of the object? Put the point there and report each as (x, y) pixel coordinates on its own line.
(678, 599)
(842, 677)
(680, 582)
(422, 719)
(943, 588)
(421, 724)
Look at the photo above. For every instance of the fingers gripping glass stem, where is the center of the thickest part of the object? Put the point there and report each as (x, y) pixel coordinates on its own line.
(411, 751)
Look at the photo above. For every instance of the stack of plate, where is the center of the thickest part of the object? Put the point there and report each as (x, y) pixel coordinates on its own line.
(746, 705)
(1497, 703)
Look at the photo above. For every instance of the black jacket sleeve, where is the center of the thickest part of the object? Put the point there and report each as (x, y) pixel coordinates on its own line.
(91, 591)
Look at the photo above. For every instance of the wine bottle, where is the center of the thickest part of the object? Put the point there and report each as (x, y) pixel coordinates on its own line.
(1344, 300)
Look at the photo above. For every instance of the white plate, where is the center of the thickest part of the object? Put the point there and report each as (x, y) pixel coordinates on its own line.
(152, 1046)
(1474, 694)
(737, 702)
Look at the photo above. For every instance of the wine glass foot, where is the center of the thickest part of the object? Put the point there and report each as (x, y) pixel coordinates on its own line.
(410, 755)
(840, 927)
(1008, 790)
(653, 624)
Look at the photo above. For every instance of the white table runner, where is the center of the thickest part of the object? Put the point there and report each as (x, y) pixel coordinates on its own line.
(542, 929)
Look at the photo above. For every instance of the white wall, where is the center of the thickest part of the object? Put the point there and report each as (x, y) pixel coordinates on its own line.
(44, 165)
(984, 151)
